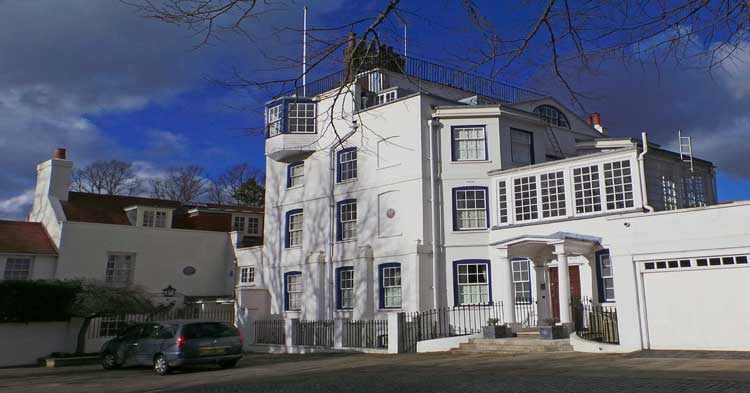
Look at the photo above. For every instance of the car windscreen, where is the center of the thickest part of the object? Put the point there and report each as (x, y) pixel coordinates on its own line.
(208, 329)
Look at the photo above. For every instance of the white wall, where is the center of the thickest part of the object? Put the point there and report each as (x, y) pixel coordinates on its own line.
(24, 343)
(160, 256)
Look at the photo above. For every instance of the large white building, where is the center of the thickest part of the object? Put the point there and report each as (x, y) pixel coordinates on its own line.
(406, 186)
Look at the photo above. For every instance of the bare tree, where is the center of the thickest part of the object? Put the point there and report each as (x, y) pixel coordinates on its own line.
(183, 183)
(107, 177)
(238, 185)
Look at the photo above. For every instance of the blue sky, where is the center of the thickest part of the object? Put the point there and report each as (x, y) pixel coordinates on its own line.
(106, 83)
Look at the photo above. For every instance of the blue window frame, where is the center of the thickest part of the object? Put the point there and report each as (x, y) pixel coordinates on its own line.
(346, 164)
(345, 288)
(472, 282)
(346, 219)
(295, 174)
(293, 288)
(470, 208)
(605, 277)
(293, 229)
(468, 143)
(389, 285)
(291, 115)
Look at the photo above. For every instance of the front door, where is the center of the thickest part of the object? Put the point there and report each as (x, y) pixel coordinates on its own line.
(575, 288)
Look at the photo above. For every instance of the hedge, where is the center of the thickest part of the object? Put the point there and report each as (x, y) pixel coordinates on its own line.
(38, 300)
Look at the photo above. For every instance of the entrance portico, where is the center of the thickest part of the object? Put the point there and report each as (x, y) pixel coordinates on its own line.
(543, 251)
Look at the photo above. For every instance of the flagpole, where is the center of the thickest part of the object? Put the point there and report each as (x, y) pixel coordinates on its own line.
(304, 53)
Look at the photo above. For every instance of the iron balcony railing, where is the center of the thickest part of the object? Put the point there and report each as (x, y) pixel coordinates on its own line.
(426, 71)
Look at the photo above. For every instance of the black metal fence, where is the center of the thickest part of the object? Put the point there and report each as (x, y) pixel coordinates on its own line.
(269, 331)
(365, 334)
(317, 333)
(446, 322)
(595, 322)
(526, 312)
(431, 72)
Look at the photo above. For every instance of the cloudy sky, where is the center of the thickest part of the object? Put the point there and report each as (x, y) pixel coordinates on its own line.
(107, 83)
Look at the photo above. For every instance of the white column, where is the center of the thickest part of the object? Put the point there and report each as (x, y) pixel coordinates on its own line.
(563, 279)
(509, 296)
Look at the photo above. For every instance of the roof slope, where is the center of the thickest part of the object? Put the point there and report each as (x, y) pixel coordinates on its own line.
(19, 237)
(110, 209)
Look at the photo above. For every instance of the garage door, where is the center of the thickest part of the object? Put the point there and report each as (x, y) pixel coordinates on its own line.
(698, 304)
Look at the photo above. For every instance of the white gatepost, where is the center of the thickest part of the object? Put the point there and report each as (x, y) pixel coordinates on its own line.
(394, 332)
(338, 333)
(509, 296)
(290, 328)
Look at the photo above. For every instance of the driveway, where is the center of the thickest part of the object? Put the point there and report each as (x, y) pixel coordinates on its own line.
(444, 372)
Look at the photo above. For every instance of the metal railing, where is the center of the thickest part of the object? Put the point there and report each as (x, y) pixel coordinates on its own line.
(109, 326)
(317, 333)
(365, 334)
(526, 312)
(446, 322)
(269, 331)
(595, 322)
(426, 71)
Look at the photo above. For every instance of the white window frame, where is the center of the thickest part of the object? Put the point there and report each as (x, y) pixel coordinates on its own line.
(587, 197)
(478, 292)
(348, 220)
(392, 288)
(617, 174)
(553, 190)
(117, 263)
(155, 218)
(386, 97)
(294, 297)
(693, 191)
(604, 279)
(247, 275)
(253, 225)
(552, 115)
(238, 223)
(525, 190)
(468, 214)
(519, 268)
(301, 117)
(14, 270)
(297, 175)
(503, 204)
(273, 120)
(296, 234)
(669, 193)
(347, 165)
(346, 289)
(471, 147)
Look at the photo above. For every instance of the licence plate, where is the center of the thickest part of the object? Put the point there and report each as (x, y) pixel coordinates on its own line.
(213, 351)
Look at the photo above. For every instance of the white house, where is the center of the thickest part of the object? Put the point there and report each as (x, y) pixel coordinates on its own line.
(179, 252)
(410, 186)
(26, 251)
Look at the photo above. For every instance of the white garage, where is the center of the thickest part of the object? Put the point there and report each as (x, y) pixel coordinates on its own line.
(697, 303)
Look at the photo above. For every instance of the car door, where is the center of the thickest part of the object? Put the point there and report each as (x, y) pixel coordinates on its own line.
(147, 343)
(128, 345)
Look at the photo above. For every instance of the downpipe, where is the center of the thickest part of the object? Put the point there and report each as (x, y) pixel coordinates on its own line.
(642, 170)
(432, 125)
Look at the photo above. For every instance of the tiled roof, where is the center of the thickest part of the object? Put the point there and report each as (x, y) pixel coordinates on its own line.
(110, 209)
(18, 237)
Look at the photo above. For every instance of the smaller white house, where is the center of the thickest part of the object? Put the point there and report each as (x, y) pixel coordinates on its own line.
(26, 251)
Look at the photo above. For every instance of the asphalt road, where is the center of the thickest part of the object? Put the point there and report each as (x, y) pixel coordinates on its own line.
(410, 373)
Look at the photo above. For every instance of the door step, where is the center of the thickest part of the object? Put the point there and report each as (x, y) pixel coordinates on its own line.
(515, 345)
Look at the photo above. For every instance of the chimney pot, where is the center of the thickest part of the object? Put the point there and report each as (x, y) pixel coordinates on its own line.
(59, 153)
(597, 119)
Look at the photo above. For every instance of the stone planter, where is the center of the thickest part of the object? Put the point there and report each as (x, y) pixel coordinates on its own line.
(496, 331)
(554, 332)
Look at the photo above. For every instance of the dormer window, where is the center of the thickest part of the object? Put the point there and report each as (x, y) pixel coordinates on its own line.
(155, 218)
(386, 97)
(552, 115)
(291, 116)
(246, 224)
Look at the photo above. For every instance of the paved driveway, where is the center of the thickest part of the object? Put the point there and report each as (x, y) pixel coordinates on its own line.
(411, 373)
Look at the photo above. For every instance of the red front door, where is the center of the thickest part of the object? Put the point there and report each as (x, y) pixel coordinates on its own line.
(575, 288)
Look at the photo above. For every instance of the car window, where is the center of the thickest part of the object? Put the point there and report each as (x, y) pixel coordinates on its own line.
(131, 332)
(208, 329)
(164, 331)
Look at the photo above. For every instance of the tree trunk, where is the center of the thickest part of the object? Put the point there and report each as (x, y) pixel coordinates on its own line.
(81, 341)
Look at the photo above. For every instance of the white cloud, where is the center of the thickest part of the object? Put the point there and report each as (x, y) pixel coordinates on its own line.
(18, 206)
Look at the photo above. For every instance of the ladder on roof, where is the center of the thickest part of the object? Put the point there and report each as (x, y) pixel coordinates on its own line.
(553, 140)
(686, 149)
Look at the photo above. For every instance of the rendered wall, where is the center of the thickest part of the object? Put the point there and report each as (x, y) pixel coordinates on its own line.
(24, 343)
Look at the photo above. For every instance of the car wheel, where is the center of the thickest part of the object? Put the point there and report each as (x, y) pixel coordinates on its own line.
(228, 363)
(161, 366)
(109, 361)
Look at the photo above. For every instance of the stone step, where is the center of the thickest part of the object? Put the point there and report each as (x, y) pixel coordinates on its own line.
(510, 349)
(515, 345)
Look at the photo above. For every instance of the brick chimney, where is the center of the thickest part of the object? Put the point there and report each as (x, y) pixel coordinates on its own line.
(596, 121)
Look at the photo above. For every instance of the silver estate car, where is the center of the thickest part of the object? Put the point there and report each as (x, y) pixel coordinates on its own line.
(169, 344)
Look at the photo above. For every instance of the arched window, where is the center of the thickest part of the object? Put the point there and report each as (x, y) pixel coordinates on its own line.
(552, 115)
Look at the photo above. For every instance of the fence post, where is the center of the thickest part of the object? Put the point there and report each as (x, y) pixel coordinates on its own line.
(395, 332)
(338, 333)
(290, 327)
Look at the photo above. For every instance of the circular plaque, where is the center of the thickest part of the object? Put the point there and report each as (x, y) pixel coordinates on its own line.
(188, 271)
(390, 213)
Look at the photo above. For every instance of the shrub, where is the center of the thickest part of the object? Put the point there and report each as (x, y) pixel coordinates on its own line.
(38, 300)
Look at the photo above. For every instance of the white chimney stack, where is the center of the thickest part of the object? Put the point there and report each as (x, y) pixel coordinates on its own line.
(54, 176)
